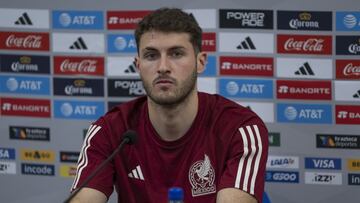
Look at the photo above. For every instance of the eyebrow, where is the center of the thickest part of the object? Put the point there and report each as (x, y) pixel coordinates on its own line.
(155, 49)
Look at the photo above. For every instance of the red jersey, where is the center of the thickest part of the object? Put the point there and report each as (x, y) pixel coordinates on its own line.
(226, 147)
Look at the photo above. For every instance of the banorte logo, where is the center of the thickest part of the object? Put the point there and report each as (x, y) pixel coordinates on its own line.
(305, 44)
(79, 65)
(347, 114)
(25, 107)
(24, 41)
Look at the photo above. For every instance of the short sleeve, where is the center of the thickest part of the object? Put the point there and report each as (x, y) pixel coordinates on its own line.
(96, 148)
(246, 162)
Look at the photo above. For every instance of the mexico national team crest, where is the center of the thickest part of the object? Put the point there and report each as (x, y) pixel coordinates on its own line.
(202, 177)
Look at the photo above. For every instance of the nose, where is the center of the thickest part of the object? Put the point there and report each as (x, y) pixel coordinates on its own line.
(164, 65)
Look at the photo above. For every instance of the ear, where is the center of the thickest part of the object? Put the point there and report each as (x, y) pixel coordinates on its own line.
(137, 63)
(201, 60)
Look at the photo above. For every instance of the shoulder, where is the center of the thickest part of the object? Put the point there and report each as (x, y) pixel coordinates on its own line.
(122, 117)
(224, 110)
(229, 118)
(126, 110)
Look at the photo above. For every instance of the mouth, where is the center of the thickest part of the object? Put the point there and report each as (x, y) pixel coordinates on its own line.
(164, 82)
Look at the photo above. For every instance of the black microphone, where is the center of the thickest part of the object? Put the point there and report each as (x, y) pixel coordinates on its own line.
(129, 137)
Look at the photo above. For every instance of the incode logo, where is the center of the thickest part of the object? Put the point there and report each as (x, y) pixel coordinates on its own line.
(291, 113)
(65, 19)
(246, 44)
(24, 20)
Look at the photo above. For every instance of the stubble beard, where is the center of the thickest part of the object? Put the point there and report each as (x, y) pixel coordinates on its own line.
(172, 97)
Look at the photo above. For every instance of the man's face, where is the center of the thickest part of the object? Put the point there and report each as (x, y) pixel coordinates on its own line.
(168, 66)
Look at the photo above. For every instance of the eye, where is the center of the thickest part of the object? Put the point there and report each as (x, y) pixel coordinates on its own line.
(150, 55)
(177, 53)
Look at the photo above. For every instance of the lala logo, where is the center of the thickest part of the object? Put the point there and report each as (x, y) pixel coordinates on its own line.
(202, 177)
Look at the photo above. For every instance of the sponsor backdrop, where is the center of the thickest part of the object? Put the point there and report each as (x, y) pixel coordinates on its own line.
(296, 64)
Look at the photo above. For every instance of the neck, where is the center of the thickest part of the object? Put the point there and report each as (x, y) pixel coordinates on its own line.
(172, 122)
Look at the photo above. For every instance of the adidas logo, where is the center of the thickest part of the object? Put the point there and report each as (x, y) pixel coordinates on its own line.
(305, 70)
(357, 94)
(79, 44)
(131, 68)
(246, 44)
(24, 20)
(136, 173)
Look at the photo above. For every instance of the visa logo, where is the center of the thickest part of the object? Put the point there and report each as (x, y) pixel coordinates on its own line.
(78, 109)
(304, 113)
(210, 67)
(25, 85)
(78, 20)
(7, 154)
(123, 43)
(323, 163)
(242, 88)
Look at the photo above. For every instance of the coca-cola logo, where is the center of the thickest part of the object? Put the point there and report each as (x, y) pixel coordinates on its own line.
(350, 69)
(86, 65)
(312, 44)
(30, 41)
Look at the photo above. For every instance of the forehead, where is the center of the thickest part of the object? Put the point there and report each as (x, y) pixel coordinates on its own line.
(164, 40)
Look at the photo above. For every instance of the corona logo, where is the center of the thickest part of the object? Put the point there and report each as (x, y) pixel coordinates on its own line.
(25, 60)
(305, 16)
(79, 83)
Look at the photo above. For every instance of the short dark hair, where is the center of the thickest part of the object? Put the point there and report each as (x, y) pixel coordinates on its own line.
(170, 20)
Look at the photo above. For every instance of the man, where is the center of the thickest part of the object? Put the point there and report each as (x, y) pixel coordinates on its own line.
(213, 148)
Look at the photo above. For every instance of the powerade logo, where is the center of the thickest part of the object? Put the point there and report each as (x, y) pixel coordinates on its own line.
(282, 176)
(251, 19)
(25, 85)
(348, 21)
(78, 109)
(38, 169)
(323, 163)
(125, 88)
(210, 67)
(304, 113)
(240, 88)
(78, 20)
(121, 43)
(7, 154)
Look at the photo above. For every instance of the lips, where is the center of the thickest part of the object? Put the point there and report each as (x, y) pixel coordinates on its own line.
(163, 81)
